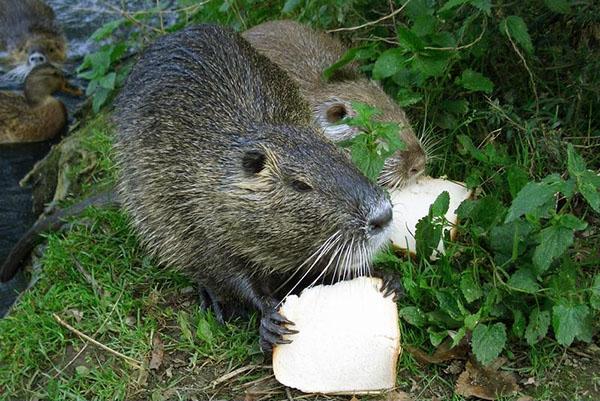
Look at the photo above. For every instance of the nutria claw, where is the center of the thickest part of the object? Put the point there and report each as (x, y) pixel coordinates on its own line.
(272, 330)
(391, 285)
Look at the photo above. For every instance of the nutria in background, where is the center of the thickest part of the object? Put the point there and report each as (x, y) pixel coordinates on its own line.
(304, 53)
(30, 34)
(224, 176)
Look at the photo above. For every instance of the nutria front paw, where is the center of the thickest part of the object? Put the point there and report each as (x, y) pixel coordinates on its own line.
(272, 329)
(392, 284)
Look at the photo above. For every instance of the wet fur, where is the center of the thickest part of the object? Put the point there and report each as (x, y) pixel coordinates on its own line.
(196, 104)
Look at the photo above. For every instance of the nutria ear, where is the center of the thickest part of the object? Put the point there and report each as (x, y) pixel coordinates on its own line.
(253, 161)
(336, 112)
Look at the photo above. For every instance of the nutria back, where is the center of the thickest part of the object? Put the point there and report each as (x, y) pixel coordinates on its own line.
(224, 177)
(30, 33)
(304, 54)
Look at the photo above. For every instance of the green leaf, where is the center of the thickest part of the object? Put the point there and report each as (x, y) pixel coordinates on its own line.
(514, 27)
(407, 97)
(430, 65)
(470, 288)
(539, 321)
(413, 315)
(524, 280)
(99, 99)
(533, 196)
(108, 81)
(424, 25)
(356, 53)
(389, 62)
(555, 240)
(409, 40)
(587, 185)
(290, 6)
(509, 240)
(106, 30)
(483, 5)
(558, 6)
(472, 320)
(183, 319)
(518, 327)
(475, 82)
(517, 178)
(468, 147)
(575, 163)
(449, 302)
(567, 322)
(441, 205)
(203, 331)
(82, 370)
(436, 337)
(595, 292)
(488, 342)
(452, 4)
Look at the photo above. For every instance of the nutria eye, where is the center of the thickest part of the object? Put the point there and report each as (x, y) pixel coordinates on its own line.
(253, 162)
(301, 186)
(336, 113)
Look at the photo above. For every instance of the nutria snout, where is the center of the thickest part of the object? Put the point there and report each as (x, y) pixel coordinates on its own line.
(225, 176)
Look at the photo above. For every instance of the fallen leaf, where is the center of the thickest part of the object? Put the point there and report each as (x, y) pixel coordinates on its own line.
(398, 396)
(169, 372)
(443, 353)
(158, 351)
(249, 396)
(77, 314)
(486, 382)
(525, 398)
(354, 398)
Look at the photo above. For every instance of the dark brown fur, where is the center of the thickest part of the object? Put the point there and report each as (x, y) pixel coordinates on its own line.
(304, 53)
(223, 176)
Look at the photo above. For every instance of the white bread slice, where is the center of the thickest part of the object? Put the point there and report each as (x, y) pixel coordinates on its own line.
(348, 340)
(412, 203)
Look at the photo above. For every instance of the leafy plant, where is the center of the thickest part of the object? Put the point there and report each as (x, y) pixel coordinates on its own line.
(376, 142)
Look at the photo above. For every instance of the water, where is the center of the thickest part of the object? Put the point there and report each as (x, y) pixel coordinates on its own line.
(79, 20)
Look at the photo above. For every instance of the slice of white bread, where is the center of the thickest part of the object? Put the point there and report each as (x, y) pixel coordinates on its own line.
(412, 203)
(348, 340)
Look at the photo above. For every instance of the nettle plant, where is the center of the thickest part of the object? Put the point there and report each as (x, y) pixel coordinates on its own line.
(521, 269)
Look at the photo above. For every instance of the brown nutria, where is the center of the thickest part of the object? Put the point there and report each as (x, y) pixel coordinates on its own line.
(304, 53)
(35, 115)
(30, 34)
(225, 177)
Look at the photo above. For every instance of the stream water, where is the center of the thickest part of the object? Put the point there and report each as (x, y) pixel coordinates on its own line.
(79, 19)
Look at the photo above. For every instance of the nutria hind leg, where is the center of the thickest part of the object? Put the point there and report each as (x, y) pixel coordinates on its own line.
(392, 283)
(209, 301)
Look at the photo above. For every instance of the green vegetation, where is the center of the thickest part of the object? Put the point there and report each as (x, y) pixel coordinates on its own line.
(507, 92)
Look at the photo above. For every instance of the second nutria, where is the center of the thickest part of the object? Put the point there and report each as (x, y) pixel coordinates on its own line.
(30, 34)
(224, 175)
(304, 53)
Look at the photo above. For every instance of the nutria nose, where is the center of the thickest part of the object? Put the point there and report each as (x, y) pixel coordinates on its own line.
(37, 58)
(380, 219)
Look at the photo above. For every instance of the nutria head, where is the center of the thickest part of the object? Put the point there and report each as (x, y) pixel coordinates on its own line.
(44, 80)
(295, 198)
(332, 102)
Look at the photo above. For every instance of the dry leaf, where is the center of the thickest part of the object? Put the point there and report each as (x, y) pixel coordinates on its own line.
(77, 314)
(354, 398)
(486, 382)
(158, 351)
(249, 396)
(443, 353)
(398, 396)
(525, 398)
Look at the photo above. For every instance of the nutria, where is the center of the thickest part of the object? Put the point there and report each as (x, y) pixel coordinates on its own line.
(304, 53)
(225, 177)
(30, 34)
(35, 115)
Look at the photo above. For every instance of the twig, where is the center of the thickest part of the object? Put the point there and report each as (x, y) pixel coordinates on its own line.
(232, 374)
(133, 362)
(514, 46)
(353, 28)
(288, 393)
